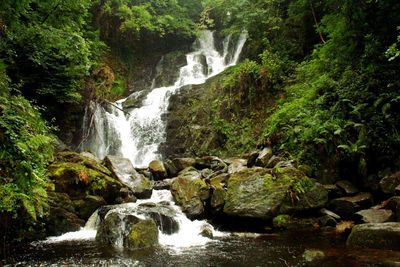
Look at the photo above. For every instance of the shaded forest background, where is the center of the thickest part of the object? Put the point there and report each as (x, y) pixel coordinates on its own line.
(319, 81)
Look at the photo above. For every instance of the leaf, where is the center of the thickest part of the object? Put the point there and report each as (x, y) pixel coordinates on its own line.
(29, 208)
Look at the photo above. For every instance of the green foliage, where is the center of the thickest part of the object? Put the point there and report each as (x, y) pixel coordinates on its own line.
(49, 49)
(26, 146)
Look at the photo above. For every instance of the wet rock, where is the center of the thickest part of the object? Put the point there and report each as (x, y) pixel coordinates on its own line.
(183, 163)
(85, 207)
(347, 206)
(143, 234)
(218, 197)
(330, 213)
(394, 205)
(161, 185)
(281, 221)
(172, 171)
(397, 190)
(190, 192)
(375, 235)
(375, 216)
(309, 196)
(158, 170)
(327, 221)
(273, 161)
(389, 183)
(124, 171)
(207, 231)
(347, 187)
(251, 161)
(162, 214)
(253, 193)
(264, 156)
(312, 255)
(237, 165)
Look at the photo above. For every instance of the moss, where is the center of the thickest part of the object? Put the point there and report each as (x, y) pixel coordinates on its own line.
(143, 234)
(281, 221)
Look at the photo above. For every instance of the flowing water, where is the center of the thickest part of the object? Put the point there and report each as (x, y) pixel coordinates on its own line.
(136, 133)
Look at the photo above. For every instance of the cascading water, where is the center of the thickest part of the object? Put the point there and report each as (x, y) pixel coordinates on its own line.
(188, 233)
(136, 133)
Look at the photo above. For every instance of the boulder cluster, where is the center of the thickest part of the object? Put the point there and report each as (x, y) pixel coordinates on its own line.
(261, 187)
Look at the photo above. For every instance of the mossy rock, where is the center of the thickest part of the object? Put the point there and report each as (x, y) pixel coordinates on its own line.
(218, 197)
(281, 221)
(190, 191)
(254, 193)
(143, 234)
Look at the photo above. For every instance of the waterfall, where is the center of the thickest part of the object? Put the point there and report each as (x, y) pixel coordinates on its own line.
(136, 133)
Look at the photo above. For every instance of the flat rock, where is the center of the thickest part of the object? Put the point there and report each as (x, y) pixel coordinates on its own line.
(347, 206)
(389, 183)
(237, 165)
(375, 216)
(347, 187)
(375, 235)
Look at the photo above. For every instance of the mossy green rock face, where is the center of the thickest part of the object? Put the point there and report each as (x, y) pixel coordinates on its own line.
(143, 234)
(190, 191)
(375, 235)
(79, 176)
(254, 193)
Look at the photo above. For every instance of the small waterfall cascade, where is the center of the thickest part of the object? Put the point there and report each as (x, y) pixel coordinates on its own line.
(136, 132)
(175, 229)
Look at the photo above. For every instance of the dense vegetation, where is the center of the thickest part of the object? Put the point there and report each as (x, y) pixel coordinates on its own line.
(334, 66)
(337, 64)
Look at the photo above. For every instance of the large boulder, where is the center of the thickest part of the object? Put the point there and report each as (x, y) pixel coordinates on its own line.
(389, 183)
(126, 230)
(158, 170)
(375, 235)
(163, 215)
(123, 170)
(190, 192)
(254, 193)
(375, 216)
(79, 176)
(305, 195)
(347, 206)
(143, 234)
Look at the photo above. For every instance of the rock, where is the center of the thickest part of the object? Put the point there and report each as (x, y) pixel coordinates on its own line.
(220, 180)
(162, 214)
(88, 205)
(79, 176)
(312, 255)
(330, 213)
(124, 171)
(183, 163)
(281, 221)
(172, 171)
(347, 206)
(190, 191)
(251, 161)
(344, 227)
(264, 156)
(253, 193)
(206, 173)
(375, 235)
(127, 195)
(327, 221)
(273, 161)
(347, 187)
(90, 156)
(237, 165)
(164, 184)
(389, 183)
(207, 231)
(397, 190)
(158, 170)
(305, 195)
(143, 234)
(333, 191)
(375, 216)
(218, 197)
(394, 205)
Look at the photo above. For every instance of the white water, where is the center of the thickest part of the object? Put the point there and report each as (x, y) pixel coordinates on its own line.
(136, 133)
(187, 235)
